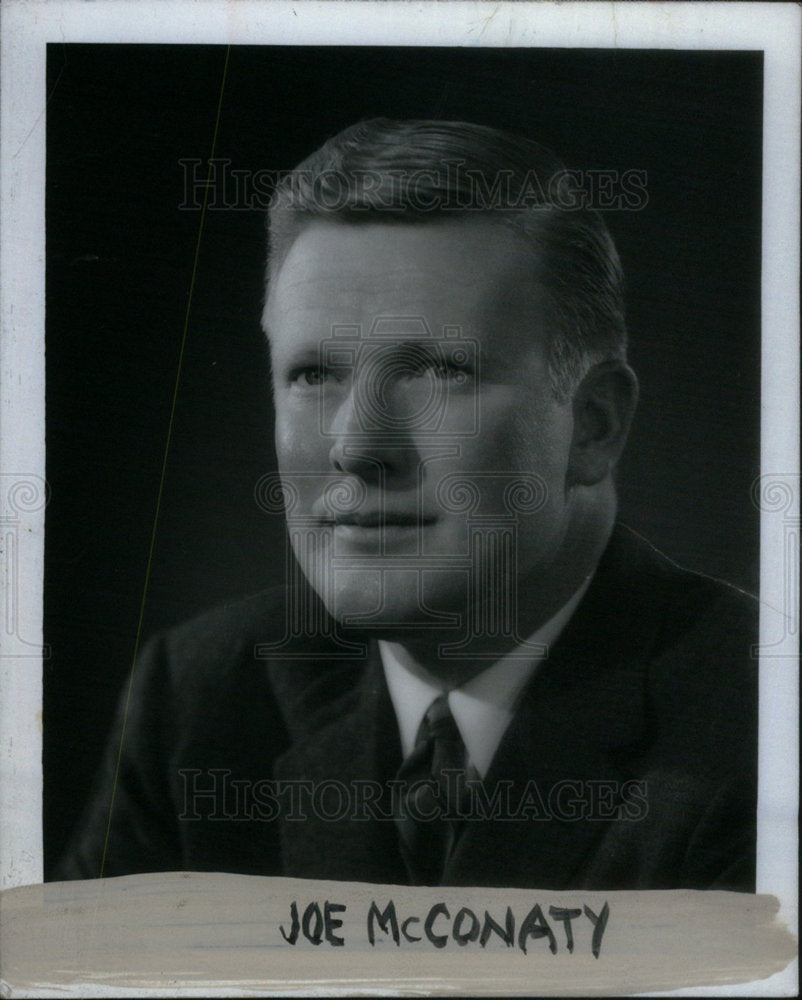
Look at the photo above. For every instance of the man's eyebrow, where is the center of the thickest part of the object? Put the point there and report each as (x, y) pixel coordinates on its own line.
(340, 351)
(302, 354)
(439, 348)
(427, 343)
(434, 345)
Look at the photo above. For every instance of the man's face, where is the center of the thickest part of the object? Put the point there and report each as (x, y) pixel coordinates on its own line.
(416, 429)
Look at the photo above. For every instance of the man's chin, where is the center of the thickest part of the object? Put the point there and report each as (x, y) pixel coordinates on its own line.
(393, 603)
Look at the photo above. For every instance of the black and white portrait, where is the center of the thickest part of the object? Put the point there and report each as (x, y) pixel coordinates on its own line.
(399, 497)
(417, 395)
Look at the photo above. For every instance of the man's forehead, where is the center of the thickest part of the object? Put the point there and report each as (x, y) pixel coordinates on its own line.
(446, 272)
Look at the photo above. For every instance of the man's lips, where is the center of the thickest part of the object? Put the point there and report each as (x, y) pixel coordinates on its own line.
(378, 519)
(372, 511)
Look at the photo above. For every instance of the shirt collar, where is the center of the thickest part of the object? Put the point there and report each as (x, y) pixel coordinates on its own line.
(482, 707)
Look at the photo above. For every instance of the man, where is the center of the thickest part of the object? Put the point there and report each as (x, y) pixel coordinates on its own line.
(473, 675)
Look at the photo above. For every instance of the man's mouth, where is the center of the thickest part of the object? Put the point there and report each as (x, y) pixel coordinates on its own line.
(378, 531)
(380, 519)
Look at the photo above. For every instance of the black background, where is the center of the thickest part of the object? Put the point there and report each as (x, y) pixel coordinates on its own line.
(120, 255)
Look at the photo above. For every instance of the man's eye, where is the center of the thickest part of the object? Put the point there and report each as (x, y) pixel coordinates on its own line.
(445, 371)
(310, 376)
(451, 372)
(431, 366)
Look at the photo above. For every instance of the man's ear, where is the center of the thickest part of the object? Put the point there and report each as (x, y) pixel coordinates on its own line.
(603, 405)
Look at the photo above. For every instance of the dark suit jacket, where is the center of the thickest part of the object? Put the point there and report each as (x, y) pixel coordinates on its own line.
(650, 688)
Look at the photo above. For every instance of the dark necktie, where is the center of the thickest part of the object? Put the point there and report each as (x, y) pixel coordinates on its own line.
(433, 779)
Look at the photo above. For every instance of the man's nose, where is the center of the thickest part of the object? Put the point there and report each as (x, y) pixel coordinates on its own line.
(376, 448)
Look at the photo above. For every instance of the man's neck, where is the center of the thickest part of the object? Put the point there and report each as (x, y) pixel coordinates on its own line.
(533, 649)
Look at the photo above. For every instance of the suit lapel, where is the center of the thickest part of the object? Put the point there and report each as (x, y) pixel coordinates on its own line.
(558, 772)
(345, 748)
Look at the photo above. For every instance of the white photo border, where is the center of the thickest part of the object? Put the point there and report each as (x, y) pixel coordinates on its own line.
(27, 27)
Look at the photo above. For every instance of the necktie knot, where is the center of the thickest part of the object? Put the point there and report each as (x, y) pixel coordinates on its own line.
(438, 723)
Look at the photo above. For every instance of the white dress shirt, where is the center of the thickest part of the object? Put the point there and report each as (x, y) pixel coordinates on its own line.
(482, 707)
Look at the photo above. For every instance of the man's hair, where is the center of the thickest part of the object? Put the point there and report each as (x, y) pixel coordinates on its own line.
(424, 171)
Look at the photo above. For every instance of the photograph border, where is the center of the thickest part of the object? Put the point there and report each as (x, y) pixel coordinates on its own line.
(26, 29)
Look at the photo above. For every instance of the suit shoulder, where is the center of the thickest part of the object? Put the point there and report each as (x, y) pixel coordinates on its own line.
(714, 611)
(219, 647)
(703, 669)
(250, 638)
(229, 626)
(682, 603)
(718, 621)
(694, 635)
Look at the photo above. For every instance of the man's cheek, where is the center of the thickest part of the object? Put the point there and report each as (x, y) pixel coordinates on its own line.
(299, 444)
